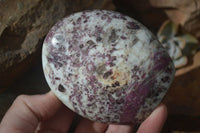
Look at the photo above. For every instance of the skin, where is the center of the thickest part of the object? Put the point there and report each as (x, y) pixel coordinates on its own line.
(46, 114)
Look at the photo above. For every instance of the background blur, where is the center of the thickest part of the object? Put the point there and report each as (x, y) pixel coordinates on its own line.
(176, 23)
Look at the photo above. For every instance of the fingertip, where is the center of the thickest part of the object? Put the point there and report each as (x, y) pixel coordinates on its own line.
(155, 122)
(120, 128)
(161, 110)
(88, 126)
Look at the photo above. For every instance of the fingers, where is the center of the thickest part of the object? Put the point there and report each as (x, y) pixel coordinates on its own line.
(87, 126)
(27, 111)
(155, 122)
(120, 129)
(59, 123)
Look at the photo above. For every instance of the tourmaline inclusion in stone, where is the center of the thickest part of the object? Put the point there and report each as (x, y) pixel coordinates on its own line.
(106, 66)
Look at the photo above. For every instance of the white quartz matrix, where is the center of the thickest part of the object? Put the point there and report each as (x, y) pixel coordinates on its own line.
(106, 66)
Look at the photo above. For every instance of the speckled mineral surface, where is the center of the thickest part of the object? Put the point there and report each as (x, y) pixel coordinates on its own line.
(106, 66)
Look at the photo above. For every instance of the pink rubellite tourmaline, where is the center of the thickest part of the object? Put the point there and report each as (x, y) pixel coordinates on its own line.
(106, 66)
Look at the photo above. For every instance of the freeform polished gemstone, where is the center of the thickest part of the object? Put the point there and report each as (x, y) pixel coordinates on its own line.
(106, 66)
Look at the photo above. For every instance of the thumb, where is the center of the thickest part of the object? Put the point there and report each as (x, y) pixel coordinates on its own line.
(27, 111)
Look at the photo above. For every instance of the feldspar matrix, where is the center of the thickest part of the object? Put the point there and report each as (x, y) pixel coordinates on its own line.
(106, 66)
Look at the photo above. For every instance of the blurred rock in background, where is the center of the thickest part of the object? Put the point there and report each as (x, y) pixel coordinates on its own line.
(23, 26)
(183, 12)
(153, 13)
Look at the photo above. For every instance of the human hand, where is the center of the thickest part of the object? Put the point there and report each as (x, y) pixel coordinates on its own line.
(46, 114)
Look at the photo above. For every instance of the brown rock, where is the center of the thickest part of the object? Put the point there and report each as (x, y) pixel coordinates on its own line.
(23, 26)
(184, 12)
(170, 3)
(153, 13)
